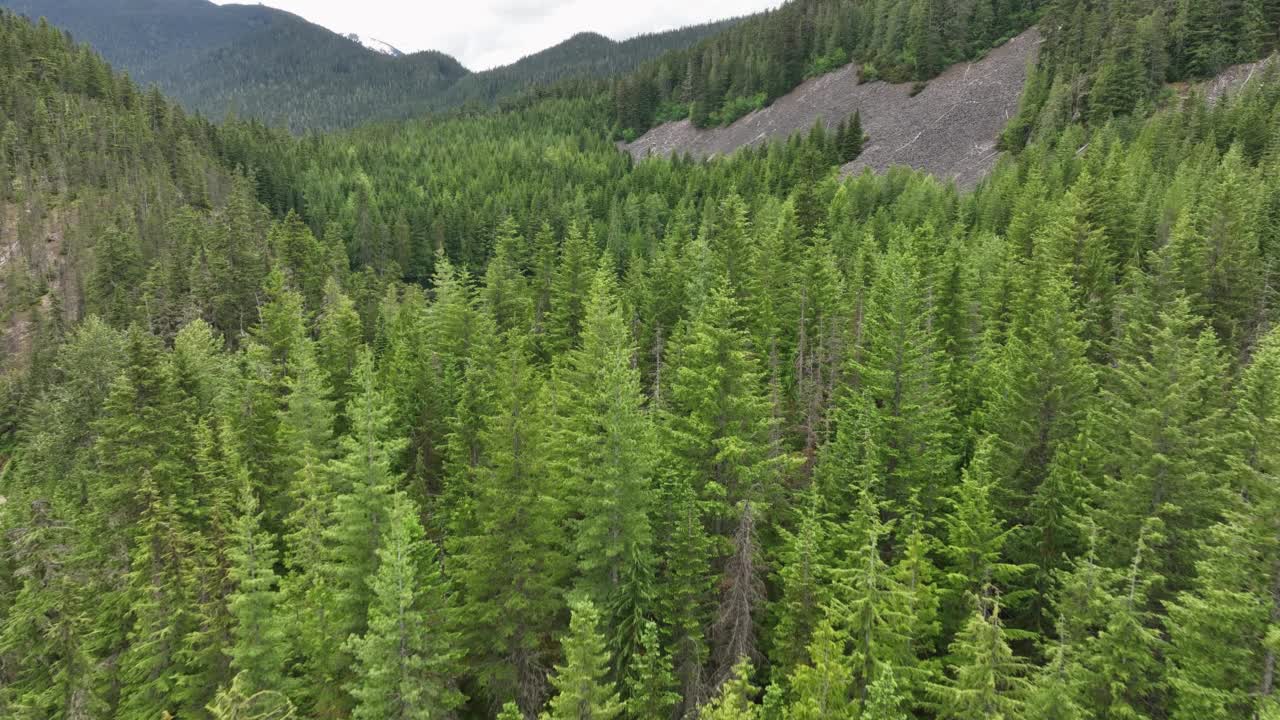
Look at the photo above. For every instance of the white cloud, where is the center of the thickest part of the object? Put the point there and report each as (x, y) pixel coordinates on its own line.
(488, 33)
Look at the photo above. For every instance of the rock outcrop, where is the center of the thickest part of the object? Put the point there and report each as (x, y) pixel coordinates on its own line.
(949, 128)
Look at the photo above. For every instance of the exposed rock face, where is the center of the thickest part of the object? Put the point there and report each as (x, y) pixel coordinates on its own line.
(1236, 78)
(949, 129)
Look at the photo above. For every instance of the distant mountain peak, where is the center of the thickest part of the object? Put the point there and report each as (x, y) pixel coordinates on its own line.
(375, 44)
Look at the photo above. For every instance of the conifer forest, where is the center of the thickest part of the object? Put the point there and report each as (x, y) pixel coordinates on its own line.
(472, 415)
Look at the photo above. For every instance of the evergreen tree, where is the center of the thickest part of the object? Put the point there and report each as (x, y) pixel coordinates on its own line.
(1217, 630)
(1124, 675)
(306, 442)
(825, 688)
(610, 444)
(684, 584)
(975, 537)
(406, 659)
(872, 604)
(571, 285)
(506, 292)
(364, 485)
(160, 579)
(510, 567)
(1053, 694)
(1040, 389)
(44, 626)
(901, 370)
(986, 680)
(804, 577)
(885, 701)
(650, 683)
(117, 276)
(583, 690)
(736, 699)
(1166, 456)
(340, 335)
(258, 649)
(718, 420)
(852, 138)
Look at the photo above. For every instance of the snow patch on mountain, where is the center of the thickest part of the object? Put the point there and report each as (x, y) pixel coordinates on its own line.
(375, 44)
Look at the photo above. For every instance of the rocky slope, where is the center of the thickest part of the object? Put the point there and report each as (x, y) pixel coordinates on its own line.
(948, 129)
(1236, 78)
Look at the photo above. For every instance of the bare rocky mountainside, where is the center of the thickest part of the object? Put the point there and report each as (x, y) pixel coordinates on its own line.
(1236, 78)
(948, 129)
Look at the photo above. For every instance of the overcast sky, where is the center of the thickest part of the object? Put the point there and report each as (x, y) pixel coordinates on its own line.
(486, 33)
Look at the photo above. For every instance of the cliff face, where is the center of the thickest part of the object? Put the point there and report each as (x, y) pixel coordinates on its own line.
(948, 129)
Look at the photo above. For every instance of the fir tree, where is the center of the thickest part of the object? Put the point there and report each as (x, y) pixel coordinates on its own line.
(583, 690)
(510, 567)
(684, 584)
(117, 275)
(884, 700)
(406, 659)
(987, 680)
(571, 285)
(650, 683)
(824, 688)
(1217, 629)
(610, 443)
(506, 292)
(852, 138)
(151, 669)
(873, 606)
(340, 336)
(804, 577)
(1165, 457)
(975, 537)
(901, 370)
(1040, 389)
(736, 699)
(717, 422)
(1053, 693)
(364, 484)
(44, 626)
(258, 649)
(1124, 675)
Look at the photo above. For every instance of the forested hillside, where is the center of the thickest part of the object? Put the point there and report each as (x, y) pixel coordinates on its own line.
(477, 417)
(585, 55)
(1103, 60)
(258, 62)
(724, 77)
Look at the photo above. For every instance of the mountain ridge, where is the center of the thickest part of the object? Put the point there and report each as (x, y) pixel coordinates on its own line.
(268, 64)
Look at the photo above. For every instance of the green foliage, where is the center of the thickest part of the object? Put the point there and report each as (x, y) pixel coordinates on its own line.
(406, 660)
(911, 452)
(736, 699)
(258, 652)
(825, 688)
(583, 691)
(762, 58)
(987, 680)
(276, 67)
(511, 565)
(650, 683)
